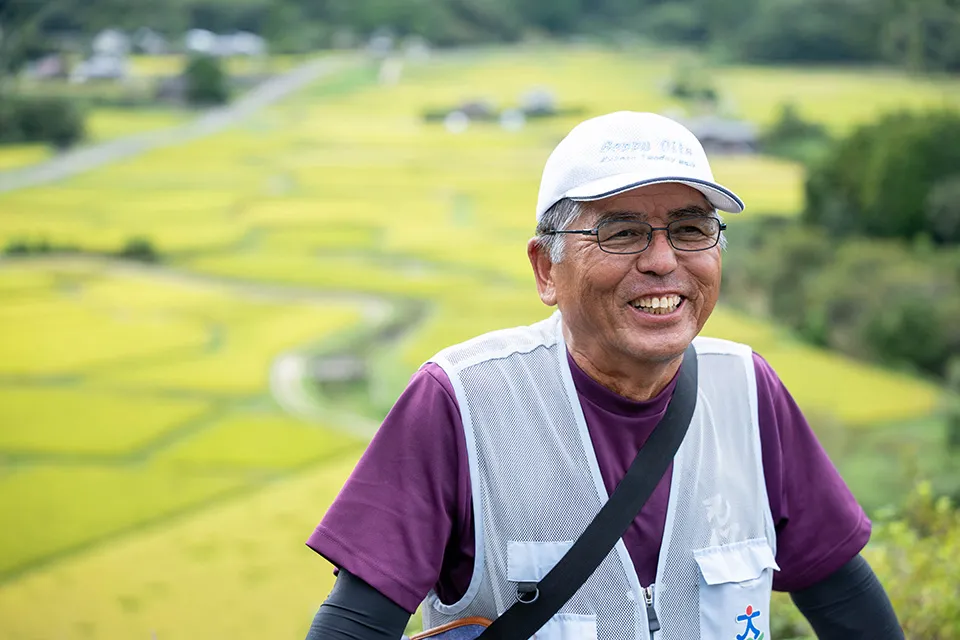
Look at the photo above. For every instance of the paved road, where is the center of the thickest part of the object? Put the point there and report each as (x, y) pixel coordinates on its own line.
(91, 157)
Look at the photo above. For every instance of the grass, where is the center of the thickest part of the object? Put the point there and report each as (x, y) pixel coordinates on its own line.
(136, 399)
(40, 420)
(240, 363)
(63, 336)
(107, 123)
(14, 156)
(164, 406)
(251, 441)
(58, 508)
(245, 556)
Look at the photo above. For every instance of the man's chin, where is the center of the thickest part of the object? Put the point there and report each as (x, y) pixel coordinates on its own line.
(661, 346)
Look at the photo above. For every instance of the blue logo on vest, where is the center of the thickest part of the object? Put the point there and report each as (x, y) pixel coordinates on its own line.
(748, 618)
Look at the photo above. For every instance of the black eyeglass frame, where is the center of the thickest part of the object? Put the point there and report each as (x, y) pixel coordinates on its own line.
(596, 233)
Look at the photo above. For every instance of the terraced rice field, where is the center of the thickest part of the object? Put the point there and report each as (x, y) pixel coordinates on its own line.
(158, 487)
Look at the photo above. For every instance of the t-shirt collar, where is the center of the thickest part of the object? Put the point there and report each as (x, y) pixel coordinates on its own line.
(608, 400)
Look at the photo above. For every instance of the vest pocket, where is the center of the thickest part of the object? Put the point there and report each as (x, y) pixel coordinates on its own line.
(735, 586)
(530, 562)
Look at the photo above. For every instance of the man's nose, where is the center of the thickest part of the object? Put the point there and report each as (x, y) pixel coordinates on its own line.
(659, 258)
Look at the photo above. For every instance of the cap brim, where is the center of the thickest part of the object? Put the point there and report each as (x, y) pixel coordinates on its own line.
(719, 196)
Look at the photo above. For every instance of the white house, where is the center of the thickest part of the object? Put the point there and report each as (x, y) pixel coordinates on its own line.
(110, 42)
(150, 42)
(241, 43)
(200, 41)
(100, 67)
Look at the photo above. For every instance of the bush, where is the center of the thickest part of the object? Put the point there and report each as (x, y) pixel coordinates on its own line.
(692, 81)
(139, 249)
(54, 120)
(41, 246)
(674, 22)
(810, 31)
(879, 180)
(206, 81)
(792, 137)
(943, 210)
(882, 301)
(916, 555)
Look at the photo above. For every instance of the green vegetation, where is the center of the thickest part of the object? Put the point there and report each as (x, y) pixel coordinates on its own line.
(916, 555)
(56, 121)
(128, 398)
(206, 82)
(879, 180)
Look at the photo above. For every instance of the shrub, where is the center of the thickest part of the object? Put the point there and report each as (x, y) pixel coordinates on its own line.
(206, 81)
(793, 137)
(54, 120)
(692, 81)
(140, 249)
(809, 31)
(881, 301)
(878, 181)
(916, 555)
(674, 22)
(943, 210)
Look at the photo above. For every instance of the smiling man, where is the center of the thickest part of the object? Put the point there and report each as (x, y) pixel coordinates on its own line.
(503, 448)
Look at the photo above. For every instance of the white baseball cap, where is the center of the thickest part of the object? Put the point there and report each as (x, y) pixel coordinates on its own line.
(617, 152)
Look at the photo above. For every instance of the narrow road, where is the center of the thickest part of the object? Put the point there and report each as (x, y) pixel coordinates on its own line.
(94, 156)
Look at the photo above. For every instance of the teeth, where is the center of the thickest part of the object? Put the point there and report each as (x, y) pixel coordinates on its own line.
(658, 306)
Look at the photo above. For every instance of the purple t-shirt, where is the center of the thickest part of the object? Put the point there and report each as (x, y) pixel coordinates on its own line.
(403, 521)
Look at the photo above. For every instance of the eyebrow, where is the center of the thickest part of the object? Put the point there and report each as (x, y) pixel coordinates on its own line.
(694, 211)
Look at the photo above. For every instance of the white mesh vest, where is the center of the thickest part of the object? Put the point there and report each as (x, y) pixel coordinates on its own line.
(536, 485)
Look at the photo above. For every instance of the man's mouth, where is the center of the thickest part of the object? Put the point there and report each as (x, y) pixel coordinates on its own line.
(658, 305)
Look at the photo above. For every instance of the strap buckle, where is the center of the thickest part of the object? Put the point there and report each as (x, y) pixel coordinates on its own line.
(527, 592)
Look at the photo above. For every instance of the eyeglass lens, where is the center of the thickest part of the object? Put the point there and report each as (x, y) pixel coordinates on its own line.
(631, 236)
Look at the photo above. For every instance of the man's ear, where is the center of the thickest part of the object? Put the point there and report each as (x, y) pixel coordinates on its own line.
(542, 271)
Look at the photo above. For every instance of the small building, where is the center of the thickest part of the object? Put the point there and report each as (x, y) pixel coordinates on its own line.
(724, 136)
(538, 102)
(200, 41)
(381, 43)
(241, 43)
(110, 43)
(48, 67)
(415, 48)
(148, 41)
(338, 369)
(100, 67)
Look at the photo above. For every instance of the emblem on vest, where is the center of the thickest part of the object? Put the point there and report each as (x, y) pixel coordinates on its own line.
(718, 515)
(748, 617)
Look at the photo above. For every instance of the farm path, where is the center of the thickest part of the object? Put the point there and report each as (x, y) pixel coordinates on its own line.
(213, 121)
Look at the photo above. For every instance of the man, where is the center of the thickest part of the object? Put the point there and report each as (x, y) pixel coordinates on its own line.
(502, 449)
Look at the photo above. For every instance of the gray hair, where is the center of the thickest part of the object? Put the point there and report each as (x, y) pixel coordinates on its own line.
(562, 214)
(558, 217)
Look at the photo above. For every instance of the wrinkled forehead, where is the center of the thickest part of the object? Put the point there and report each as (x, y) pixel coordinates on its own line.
(660, 201)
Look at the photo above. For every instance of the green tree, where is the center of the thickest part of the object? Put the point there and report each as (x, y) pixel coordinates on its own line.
(878, 180)
(810, 31)
(943, 210)
(206, 81)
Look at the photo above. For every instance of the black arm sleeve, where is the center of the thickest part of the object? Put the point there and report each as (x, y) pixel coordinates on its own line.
(356, 611)
(850, 603)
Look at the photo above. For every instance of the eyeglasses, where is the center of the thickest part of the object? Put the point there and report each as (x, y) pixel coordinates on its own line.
(632, 236)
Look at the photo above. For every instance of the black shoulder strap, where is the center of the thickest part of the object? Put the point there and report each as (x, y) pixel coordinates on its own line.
(542, 600)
